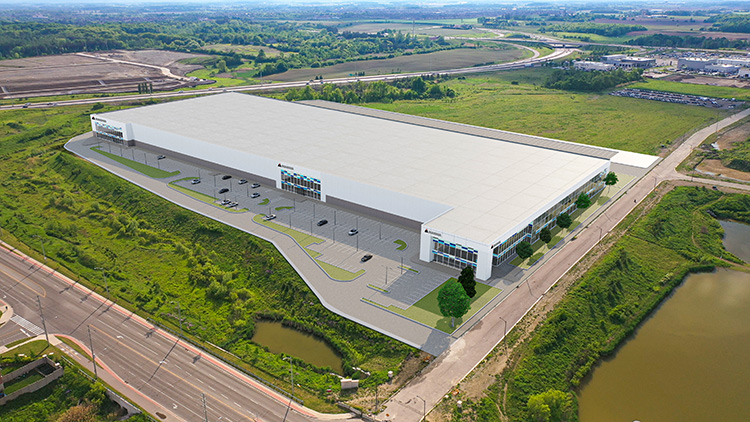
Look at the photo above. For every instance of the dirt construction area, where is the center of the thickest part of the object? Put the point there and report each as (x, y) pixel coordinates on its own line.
(100, 72)
(708, 80)
(726, 140)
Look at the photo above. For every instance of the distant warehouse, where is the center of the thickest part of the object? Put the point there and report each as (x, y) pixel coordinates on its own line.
(473, 193)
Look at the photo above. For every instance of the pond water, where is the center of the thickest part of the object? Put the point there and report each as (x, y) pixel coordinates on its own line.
(737, 239)
(281, 339)
(689, 361)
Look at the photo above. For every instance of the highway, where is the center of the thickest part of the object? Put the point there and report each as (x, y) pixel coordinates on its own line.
(519, 64)
(164, 376)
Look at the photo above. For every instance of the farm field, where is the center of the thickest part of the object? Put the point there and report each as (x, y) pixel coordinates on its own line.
(493, 100)
(417, 29)
(440, 60)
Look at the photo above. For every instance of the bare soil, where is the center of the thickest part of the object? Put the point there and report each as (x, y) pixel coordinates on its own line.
(726, 140)
(68, 74)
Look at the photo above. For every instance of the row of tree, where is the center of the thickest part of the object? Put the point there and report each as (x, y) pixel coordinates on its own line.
(378, 91)
(604, 29)
(688, 41)
(579, 80)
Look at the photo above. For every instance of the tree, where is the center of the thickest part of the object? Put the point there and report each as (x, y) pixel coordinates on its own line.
(610, 179)
(551, 406)
(466, 279)
(221, 66)
(583, 201)
(524, 250)
(564, 221)
(453, 301)
(545, 234)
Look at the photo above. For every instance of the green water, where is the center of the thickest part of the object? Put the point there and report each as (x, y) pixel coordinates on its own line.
(737, 239)
(689, 361)
(281, 339)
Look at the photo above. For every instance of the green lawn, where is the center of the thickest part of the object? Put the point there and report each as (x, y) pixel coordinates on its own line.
(596, 119)
(427, 311)
(135, 165)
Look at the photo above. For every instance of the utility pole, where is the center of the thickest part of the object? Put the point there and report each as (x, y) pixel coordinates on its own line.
(424, 408)
(104, 276)
(44, 324)
(505, 332)
(205, 411)
(291, 397)
(41, 240)
(93, 355)
(179, 315)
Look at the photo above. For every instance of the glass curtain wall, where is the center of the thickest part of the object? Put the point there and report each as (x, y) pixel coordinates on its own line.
(110, 133)
(453, 254)
(300, 184)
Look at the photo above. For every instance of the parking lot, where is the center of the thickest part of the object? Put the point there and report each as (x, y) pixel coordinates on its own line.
(670, 97)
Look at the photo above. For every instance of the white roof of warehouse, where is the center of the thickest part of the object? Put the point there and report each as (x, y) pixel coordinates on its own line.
(492, 186)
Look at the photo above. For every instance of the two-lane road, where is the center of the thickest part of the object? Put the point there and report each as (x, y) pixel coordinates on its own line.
(156, 371)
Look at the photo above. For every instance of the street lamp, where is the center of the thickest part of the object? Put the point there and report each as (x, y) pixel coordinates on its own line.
(179, 314)
(104, 276)
(291, 373)
(505, 333)
(424, 408)
(41, 240)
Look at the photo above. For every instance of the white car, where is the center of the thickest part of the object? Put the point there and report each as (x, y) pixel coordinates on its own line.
(269, 217)
(195, 181)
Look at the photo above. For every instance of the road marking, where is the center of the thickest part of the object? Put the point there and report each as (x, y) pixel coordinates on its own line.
(21, 321)
(43, 293)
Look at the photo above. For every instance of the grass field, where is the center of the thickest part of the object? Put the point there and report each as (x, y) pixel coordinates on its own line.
(439, 60)
(742, 94)
(137, 166)
(492, 100)
(427, 311)
(431, 29)
(242, 49)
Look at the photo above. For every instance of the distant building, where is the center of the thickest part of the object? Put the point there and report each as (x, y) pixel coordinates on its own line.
(724, 69)
(589, 66)
(743, 73)
(628, 62)
(734, 61)
(694, 63)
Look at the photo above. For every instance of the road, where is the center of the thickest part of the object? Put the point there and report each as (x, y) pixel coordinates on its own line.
(464, 354)
(558, 53)
(150, 366)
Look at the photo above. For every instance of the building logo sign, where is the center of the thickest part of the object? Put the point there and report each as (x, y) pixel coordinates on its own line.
(286, 167)
(434, 233)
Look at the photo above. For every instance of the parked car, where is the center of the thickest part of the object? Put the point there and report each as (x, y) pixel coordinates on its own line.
(322, 222)
(255, 195)
(226, 177)
(255, 185)
(161, 157)
(195, 181)
(352, 232)
(223, 190)
(242, 181)
(366, 258)
(269, 217)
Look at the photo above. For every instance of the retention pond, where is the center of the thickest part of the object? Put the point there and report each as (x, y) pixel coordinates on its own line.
(687, 362)
(280, 339)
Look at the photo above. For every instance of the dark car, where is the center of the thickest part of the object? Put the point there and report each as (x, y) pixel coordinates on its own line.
(226, 177)
(322, 222)
(223, 190)
(366, 258)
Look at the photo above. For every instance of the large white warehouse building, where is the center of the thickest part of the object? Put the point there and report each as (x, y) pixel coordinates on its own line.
(473, 193)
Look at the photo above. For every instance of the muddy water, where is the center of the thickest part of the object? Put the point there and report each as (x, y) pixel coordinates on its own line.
(281, 339)
(689, 361)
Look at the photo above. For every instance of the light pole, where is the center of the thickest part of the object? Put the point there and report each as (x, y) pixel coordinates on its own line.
(291, 397)
(205, 411)
(424, 408)
(104, 276)
(93, 355)
(179, 314)
(44, 324)
(505, 333)
(41, 240)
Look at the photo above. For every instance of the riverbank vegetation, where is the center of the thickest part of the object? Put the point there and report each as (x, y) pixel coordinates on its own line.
(156, 253)
(677, 237)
